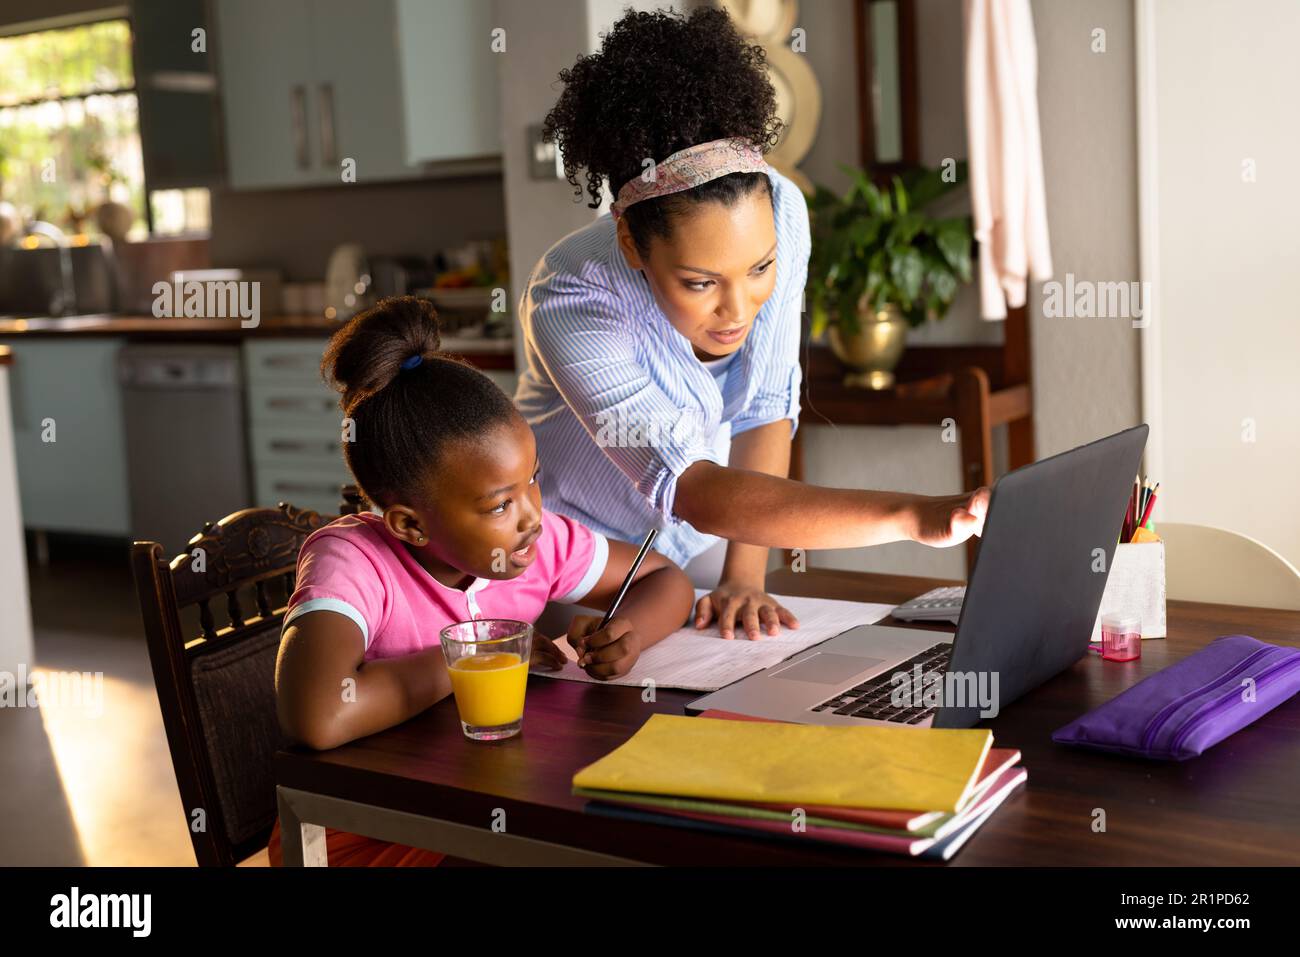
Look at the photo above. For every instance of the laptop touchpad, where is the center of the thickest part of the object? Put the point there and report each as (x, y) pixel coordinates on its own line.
(825, 669)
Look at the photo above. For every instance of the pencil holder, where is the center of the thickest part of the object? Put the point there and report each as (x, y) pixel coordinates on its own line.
(1136, 586)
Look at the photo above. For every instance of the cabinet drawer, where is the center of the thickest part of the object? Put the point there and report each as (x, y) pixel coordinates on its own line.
(288, 445)
(290, 404)
(284, 361)
(305, 487)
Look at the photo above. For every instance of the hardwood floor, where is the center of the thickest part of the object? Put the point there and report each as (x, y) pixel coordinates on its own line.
(90, 780)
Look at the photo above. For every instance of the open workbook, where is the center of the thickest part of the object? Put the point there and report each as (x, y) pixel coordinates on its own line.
(701, 660)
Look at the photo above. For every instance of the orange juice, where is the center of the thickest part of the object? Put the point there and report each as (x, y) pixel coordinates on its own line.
(489, 688)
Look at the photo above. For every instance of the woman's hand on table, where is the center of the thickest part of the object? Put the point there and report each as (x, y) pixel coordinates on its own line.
(942, 521)
(607, 652)
(747, 606)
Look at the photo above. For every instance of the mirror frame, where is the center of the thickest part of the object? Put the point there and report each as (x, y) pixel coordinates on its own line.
(909, 93)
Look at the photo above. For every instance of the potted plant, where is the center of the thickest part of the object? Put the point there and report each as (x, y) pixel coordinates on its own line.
(881, 264)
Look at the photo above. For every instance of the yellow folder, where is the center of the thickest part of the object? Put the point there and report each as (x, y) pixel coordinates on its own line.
(904, 769)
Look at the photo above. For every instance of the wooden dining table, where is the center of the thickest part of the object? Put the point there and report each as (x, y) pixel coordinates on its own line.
(510, 802)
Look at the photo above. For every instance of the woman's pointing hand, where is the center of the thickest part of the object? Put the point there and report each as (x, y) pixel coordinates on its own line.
(946, 520)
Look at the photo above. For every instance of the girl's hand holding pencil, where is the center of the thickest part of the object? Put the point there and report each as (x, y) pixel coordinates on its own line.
(606, 652)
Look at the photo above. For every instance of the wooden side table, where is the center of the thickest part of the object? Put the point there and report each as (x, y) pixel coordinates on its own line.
(977, 387)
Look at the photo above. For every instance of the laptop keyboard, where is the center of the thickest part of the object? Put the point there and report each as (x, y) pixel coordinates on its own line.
(871, 698)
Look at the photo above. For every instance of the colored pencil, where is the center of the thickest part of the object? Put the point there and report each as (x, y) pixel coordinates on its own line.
(1146, 514)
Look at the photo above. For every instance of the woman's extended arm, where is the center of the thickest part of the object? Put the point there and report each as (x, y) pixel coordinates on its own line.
(764, 449)
(740, 600)
(758, 509)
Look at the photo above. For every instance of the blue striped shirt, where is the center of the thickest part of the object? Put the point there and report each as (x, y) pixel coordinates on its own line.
(618, 401)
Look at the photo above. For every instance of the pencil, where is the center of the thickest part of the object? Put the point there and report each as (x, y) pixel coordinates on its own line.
(631, 573)
(1146, 514)
(1136, 499)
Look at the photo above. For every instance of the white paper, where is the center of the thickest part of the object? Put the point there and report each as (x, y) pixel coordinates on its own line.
(702, 660)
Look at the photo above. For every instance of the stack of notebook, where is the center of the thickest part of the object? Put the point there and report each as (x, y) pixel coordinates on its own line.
(913, 791)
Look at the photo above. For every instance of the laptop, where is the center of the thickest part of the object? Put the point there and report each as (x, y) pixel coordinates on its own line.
(1030, 606)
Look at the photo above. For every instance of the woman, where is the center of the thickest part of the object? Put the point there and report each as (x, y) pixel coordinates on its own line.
(662, 340)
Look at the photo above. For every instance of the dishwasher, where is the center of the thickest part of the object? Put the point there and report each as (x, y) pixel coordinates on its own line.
(186, 455)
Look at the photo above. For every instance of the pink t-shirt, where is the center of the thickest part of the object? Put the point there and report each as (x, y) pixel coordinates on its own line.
(353, 566)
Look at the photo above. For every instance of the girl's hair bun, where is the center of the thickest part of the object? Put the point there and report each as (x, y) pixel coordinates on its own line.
(407, 400)
(376, 346)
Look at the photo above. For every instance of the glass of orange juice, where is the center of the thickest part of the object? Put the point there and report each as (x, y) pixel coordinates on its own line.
(488, 663)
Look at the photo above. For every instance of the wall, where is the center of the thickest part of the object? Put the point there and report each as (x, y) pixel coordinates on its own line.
(1086, 371)
(1226, 357)
(538, 212)
(296, 229)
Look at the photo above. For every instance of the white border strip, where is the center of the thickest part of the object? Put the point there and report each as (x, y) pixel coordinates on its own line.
(1152, 355)
(599, 559)
(330, 604)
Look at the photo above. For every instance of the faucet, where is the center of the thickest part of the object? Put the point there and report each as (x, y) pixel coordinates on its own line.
(63, 300)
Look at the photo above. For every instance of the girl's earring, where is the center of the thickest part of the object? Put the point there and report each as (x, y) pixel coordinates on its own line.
(420, 541)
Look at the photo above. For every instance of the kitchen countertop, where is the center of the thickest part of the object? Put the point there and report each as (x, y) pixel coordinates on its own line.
(208, 330)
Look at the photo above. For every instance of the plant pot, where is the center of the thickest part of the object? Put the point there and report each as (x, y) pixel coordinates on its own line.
(873, 350)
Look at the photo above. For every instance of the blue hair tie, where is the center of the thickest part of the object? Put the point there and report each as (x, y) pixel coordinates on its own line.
(412, 362)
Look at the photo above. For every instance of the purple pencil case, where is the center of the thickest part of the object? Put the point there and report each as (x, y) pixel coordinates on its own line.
(1178, 712)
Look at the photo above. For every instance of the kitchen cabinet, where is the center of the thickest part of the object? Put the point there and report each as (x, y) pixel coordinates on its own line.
(76, 483)
(450, 83)
(389, 84)
(358, 88)
(295, 425)
(16, 649)
(176, 86)
(266, 69)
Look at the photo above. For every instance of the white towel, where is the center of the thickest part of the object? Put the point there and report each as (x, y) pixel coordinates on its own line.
(1005, 153)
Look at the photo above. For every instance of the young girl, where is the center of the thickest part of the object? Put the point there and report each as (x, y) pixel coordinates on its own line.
(442, 451)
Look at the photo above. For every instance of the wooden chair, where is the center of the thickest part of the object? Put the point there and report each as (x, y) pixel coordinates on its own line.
(216, 689)
(353, 501)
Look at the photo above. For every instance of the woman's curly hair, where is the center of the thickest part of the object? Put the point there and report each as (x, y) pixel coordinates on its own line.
(660, 83)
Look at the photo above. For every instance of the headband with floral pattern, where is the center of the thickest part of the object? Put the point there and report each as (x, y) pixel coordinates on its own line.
(690, 167)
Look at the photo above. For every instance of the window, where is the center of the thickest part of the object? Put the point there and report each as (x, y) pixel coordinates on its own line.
(69, 126)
